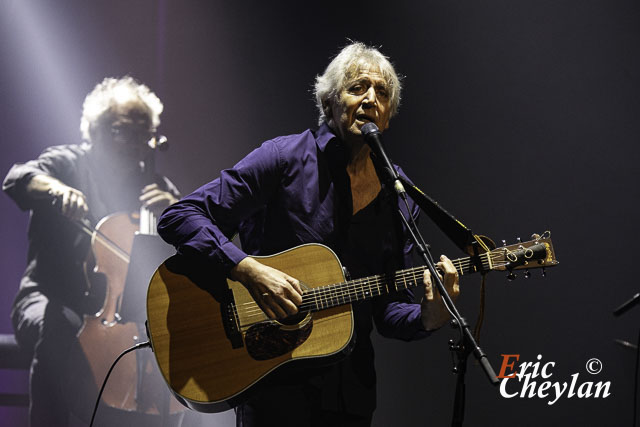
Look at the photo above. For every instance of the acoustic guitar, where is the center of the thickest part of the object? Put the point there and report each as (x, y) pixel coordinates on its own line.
(214, 347)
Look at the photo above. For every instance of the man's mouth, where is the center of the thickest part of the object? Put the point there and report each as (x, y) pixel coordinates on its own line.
(364, 118)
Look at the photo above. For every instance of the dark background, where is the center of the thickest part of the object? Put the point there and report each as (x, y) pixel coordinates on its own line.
(517, 116)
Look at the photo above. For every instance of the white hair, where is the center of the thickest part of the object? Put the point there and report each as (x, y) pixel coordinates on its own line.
(346, 65)
(111, 92)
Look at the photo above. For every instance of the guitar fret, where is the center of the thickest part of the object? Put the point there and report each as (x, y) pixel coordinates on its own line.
(345, 298)
(335, 298)
(368, 293)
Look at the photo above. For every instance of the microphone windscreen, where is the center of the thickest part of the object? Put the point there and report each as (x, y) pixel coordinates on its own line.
(369, 128)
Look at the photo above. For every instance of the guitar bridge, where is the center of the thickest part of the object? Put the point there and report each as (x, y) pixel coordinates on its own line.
(230, 323)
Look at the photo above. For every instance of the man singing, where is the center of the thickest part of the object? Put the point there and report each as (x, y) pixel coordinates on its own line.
(317, 186)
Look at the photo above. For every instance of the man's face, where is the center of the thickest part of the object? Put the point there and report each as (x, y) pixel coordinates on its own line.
(124, 132)
(364, 98)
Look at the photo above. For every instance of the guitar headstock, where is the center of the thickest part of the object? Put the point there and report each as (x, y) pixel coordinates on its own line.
(536, 253)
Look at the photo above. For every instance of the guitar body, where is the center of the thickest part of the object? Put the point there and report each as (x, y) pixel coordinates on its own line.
(212, 352)
(214, 346)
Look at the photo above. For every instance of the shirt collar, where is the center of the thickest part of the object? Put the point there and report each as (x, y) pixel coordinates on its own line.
(324, 135)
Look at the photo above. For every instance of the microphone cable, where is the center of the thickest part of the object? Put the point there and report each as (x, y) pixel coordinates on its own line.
(104, 383)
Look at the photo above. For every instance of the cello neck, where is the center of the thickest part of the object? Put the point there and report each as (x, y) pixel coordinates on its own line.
(148, 222)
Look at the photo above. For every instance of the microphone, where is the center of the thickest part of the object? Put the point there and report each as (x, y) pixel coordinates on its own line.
(159, 142)
(373, 138)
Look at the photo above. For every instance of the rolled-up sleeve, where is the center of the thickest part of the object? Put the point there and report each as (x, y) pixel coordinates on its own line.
(202, 223)
(56, 161)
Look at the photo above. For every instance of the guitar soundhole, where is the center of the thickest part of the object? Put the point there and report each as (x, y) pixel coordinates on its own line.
(267, 340)
(294, 320)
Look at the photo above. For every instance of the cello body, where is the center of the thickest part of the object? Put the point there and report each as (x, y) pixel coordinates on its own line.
(135, 383)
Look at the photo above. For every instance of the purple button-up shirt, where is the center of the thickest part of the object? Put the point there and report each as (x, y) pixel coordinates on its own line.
(291, 190)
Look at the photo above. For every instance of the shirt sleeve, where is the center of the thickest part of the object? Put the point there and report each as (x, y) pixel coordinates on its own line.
(57, 162)
(399, 316)
(203, 223)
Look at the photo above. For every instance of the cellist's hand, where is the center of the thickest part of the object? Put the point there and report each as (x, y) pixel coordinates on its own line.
(156, 200)
(72, 203)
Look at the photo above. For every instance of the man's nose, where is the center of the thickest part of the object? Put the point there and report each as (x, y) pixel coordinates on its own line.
(370, 98)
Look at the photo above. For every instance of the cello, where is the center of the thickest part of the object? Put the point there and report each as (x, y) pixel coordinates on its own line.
(135, 384)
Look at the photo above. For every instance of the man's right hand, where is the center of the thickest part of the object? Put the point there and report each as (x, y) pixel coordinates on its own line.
(277, 293)
(72, 203)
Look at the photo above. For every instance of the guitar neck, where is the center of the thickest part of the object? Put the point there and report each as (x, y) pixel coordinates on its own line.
(537, 253)
(323, 297)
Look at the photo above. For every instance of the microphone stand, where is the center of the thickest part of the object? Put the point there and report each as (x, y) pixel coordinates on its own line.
(621, 309)
(466, 343)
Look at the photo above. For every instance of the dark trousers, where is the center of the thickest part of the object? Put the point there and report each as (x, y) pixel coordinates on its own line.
(294, 406)
(48, 331)
(58, 376)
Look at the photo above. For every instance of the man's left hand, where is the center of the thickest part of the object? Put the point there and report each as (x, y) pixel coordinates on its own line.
(434, 312)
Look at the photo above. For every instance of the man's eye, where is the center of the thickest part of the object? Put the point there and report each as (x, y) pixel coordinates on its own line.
(357, 89)
(383, 93)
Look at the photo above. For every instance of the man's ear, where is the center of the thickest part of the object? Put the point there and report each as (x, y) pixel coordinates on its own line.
(326, 109)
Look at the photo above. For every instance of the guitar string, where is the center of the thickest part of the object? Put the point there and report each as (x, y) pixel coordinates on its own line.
(318, 302)
(331, 293)
(459, 264)
(332, 296)
(335, 294)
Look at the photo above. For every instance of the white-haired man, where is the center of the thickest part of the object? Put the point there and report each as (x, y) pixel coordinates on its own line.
(318, 186)
(64, 185)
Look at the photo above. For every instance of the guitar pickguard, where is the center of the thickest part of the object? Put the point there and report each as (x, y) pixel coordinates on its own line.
(268, 340)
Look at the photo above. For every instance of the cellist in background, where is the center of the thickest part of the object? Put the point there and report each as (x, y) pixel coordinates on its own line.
(64, 186)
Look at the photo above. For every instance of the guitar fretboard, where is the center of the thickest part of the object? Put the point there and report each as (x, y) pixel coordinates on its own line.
(328, 296)
(323, 297)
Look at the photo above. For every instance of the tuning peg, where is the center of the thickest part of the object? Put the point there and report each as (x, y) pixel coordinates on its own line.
(527, 274)
(519, 240)
(511, 276)
(544, 272)
(504, 242)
